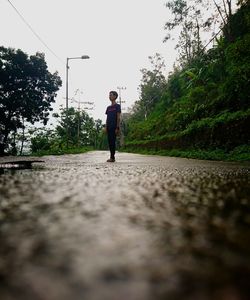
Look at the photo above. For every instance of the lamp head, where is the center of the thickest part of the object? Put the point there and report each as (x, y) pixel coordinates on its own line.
(84, 57)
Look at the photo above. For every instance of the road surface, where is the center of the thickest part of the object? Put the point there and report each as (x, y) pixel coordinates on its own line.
(143, 228)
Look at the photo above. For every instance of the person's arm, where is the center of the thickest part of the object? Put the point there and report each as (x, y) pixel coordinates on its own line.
(106, 125)
(118, 122)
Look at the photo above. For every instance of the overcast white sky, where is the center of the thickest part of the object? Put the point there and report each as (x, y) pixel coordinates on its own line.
(118, 35)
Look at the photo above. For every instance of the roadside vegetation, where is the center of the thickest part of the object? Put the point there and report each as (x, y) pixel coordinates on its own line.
(82, 134)
(202, 108)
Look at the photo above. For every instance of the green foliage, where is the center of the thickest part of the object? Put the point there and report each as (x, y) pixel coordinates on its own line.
(46, 140)
(235, 87)
(63, 151)
(82, 129)
(241, 153)
(151, 89)
(27, 90)
(102, 143)
(83, 133)
(205, 104)
(40, 142)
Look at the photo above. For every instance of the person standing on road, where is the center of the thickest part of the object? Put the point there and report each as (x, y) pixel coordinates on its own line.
(112, 128)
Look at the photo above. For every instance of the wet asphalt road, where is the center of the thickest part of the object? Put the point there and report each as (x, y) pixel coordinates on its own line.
(145, 227)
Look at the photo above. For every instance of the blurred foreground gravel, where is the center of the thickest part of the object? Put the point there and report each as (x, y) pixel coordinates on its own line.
(145, 227)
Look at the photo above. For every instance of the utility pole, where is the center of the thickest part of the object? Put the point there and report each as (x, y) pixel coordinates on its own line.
(120, 88)
(79, 110)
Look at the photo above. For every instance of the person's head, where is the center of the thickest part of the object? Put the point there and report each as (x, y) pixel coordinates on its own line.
(113, 95)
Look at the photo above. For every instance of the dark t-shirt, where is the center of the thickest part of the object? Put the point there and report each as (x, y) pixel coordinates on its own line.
(111, 113)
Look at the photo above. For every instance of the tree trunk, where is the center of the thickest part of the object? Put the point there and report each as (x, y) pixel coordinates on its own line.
(198, 36)
(21, 150)
(3, 143)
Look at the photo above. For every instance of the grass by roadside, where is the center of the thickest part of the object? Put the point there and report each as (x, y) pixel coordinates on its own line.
(62, 151)
(241, 153)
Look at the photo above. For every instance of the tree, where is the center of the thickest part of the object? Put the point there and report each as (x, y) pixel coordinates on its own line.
(224, 11)
(195, 18)
(97, 131)
(27, 90)
(152, 84)
(152, 88)
(44, 139)
(187, 16)
(81, 127)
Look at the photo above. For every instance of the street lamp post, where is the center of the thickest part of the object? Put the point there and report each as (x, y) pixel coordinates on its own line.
(67, 93)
